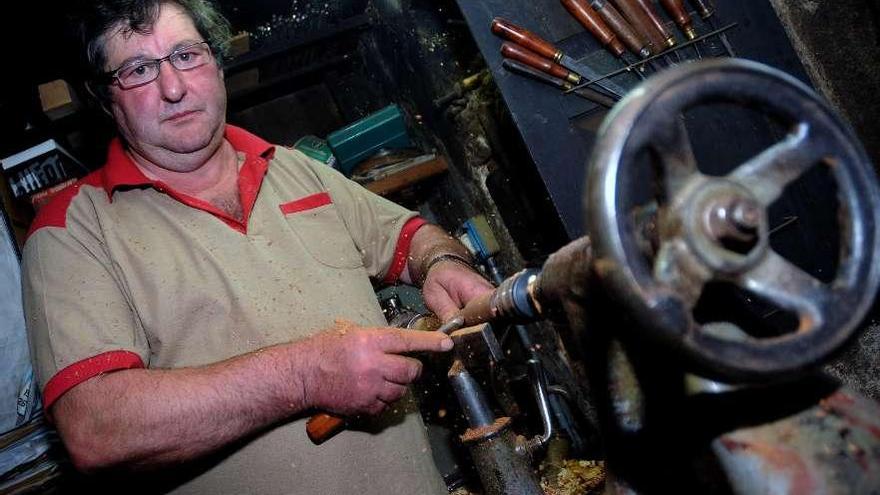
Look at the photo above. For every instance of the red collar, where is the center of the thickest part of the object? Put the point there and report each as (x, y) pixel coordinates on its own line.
(119, 169)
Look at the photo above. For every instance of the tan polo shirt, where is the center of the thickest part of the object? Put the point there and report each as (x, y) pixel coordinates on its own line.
(123, 272)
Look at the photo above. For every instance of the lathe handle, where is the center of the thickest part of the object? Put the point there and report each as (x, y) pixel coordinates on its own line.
(322, 427)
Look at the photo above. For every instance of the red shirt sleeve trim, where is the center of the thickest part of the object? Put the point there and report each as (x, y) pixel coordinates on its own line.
(306, 203)
(402, 250)
(81, 371)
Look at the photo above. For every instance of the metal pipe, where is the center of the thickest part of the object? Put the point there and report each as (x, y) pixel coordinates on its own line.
(473, 403)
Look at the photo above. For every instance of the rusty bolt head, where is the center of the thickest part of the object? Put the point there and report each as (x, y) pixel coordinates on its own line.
(734, 219)
(745, 215)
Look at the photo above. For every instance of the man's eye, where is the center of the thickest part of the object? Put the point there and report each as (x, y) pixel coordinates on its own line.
(139, 70)
(185, 56)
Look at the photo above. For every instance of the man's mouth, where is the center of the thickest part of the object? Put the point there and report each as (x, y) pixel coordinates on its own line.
(180, 116)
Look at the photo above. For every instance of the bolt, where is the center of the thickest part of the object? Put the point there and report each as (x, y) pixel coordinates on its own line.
(746, 215)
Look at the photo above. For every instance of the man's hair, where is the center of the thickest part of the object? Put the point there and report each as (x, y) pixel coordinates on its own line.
(139, 16)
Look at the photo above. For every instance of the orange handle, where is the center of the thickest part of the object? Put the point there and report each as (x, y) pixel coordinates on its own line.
(636, 43)
(322, 427)
(656, 21)
(680, 16)
(591, 20)
(532, 59)
(525, 38)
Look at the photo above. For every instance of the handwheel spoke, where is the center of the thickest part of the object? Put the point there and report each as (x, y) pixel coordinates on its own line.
(767, 174)
(676, 154)
(780, 282)
(674, 269)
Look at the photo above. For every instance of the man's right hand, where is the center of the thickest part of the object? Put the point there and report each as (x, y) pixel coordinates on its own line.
(355, 370)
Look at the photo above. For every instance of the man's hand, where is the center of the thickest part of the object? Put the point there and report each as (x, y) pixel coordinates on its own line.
(355, 370)
(450, 285)
(447, 284)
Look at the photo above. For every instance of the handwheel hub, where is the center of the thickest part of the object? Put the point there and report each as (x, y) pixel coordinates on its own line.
(725, 225)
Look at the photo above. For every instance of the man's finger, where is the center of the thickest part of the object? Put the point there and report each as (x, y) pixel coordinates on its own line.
(391, 392)
(400, 341)
(401, 369)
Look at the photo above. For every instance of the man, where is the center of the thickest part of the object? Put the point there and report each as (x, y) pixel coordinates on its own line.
(193, 301)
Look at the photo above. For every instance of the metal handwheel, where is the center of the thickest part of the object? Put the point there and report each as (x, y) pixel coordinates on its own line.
(715, 228)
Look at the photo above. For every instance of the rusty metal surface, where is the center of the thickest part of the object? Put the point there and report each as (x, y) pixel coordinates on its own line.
(832, 448)
(503, 469)
(694, 235)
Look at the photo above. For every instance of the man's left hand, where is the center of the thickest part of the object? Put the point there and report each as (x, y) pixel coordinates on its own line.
(450, 285)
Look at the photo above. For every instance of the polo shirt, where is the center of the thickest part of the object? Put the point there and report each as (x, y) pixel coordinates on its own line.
(120, 271)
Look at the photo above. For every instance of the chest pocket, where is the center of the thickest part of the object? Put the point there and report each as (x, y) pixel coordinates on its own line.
(317, 222)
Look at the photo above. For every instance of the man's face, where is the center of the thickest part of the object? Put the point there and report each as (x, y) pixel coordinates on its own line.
(175, 121)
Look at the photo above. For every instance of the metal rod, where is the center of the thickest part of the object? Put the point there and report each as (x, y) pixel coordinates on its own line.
(651, 58)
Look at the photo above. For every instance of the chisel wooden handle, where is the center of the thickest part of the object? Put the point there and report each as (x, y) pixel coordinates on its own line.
(532, 59)
(633, 41)
(640, 22)
(704, 8)
(657, 21)
(679, 15)
(322, 427)
(525, 38)
(590, 19)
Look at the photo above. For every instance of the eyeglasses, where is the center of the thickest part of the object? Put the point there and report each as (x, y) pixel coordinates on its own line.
(142, 72)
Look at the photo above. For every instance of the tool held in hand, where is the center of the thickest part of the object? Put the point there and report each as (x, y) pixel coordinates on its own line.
(511, 32)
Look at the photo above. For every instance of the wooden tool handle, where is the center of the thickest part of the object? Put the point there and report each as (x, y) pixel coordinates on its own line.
(525, 38)
(532, 59)
(322, 427)
(590, 19)
(635, 42)
(679, 14)
(656, 21)
(478, 310)
(704, 8)
(641, 23)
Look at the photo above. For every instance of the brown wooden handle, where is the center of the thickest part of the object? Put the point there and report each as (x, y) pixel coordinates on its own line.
(532, 59)
(639, 20)
(525, 38)
(704, 8)
(635, 42)
(657, 21)
(590, 19)
(478, 310)
(322, 427)
(679, 14)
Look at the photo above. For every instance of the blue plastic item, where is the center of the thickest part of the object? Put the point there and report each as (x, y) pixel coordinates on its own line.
(354, 143)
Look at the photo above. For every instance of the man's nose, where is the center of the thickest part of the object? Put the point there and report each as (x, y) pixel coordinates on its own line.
(171, 82)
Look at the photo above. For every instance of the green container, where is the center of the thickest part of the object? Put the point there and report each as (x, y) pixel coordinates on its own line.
(317, 148)
(354, 143)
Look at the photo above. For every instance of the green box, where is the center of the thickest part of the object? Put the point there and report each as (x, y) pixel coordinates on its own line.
(354, 143)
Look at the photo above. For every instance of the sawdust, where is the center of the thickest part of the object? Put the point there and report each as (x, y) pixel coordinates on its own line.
(576, 478)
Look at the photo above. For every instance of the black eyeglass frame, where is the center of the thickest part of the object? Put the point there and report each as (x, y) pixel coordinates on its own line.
(112, 76)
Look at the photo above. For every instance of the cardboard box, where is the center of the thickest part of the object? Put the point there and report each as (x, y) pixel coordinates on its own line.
(58, 99)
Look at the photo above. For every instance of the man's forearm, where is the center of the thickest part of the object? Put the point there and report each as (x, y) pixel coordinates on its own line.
(430, 244)
(149, 418)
